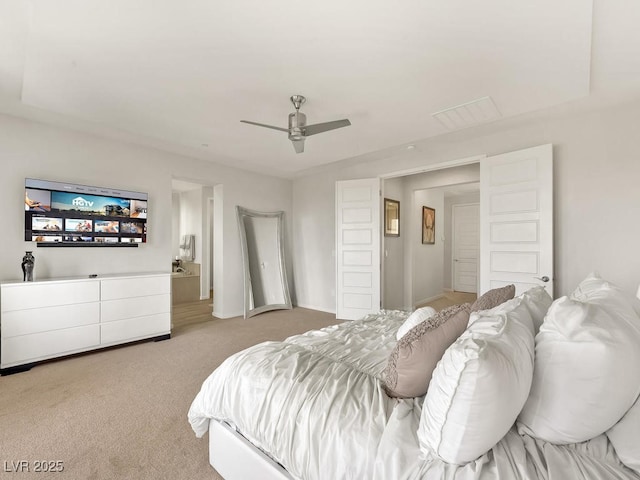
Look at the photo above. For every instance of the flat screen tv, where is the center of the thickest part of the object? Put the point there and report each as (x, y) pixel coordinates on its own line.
(66, 214)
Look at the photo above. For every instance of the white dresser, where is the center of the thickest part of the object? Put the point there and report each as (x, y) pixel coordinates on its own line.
(52, 318)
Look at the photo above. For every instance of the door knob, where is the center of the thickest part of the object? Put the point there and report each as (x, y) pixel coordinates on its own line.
(545, 279)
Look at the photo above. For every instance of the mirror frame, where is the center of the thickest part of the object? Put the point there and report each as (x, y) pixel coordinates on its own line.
(248, 291)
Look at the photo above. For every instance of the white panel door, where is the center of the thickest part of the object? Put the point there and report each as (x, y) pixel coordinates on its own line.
(357, 248)
(466, 247)
(516, 219)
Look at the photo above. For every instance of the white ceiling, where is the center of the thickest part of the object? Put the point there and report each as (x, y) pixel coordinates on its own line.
(180, 76)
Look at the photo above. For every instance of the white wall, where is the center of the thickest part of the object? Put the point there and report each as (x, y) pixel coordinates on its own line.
(314, 243)
(426, 259)
(597, 199)
(393, 250)
(30, 149)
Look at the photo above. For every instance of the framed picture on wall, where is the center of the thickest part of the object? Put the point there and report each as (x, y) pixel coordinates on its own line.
(391, 218)
(428, 225)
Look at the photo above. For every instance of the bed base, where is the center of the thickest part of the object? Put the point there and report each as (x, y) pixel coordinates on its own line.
(236, 458)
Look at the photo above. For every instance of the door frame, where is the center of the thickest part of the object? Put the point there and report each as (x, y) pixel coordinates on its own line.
(436, 166)
(417, 170)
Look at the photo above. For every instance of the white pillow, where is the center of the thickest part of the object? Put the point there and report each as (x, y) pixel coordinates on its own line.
(624, 436)
(538, 301)
(480, 384)
(587, 365)
(416, 318)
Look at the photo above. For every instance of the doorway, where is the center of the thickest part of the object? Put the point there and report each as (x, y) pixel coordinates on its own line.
(192, 240)
(417, 272)
(516, 219)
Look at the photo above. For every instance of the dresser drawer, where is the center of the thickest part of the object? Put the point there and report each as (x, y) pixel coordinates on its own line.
(40, 346)
(135, 328)
(34, 295)
(116, 288)
(135, 307)
(34, 320)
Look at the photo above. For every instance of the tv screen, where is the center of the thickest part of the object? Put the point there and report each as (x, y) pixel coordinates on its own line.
(68, 214)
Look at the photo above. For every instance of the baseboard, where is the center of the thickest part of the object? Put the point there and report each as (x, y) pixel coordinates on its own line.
(315, 307)
(448, 290)
(241, 314)
(427, 300)
(231, 315)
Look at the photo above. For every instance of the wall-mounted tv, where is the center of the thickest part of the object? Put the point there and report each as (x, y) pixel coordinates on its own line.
(66, 214)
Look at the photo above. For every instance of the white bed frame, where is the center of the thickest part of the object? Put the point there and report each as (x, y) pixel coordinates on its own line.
(236, 458)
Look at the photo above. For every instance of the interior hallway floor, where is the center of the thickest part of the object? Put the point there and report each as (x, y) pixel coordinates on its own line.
(195, 312)
(450, 298)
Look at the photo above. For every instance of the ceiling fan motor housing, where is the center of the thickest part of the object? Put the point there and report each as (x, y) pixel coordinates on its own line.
(297, 122)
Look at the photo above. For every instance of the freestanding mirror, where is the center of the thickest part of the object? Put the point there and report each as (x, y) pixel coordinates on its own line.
(265, 276)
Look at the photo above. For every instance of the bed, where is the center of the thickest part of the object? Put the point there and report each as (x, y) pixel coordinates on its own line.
(318, 405)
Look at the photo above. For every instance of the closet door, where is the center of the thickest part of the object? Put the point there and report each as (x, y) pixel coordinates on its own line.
(466, 247)
(357, 248)
(516, 220)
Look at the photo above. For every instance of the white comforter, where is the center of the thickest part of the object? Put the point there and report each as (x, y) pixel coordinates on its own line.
(315, 404)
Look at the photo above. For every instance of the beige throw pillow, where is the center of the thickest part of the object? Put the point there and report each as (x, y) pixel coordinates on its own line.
(416, 354)
(493, 298)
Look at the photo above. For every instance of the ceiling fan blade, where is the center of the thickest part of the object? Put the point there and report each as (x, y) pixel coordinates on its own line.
(298, 145)
(266, 126)
(325, 127)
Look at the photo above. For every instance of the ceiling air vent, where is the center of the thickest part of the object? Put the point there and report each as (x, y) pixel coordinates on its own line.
(468, 114)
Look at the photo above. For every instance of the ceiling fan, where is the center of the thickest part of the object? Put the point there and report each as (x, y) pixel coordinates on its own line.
(298, 129)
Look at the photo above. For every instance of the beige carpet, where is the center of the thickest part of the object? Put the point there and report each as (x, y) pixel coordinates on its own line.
(122, 413)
